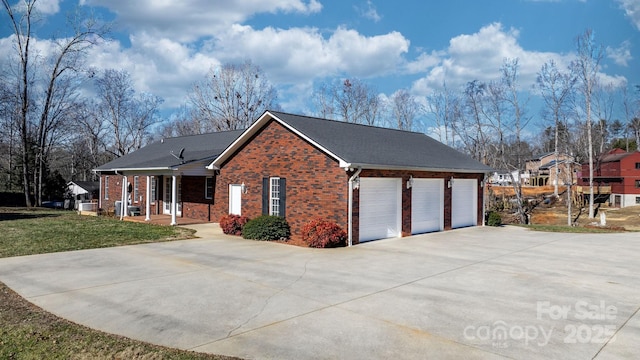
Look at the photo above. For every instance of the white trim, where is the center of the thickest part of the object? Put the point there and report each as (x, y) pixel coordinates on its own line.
(272, 198)
(147, 212)
(206, 187)
(106, 186)
(174, 202)
(253, 129)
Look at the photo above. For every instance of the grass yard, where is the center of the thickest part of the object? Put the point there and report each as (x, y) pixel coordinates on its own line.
(39, 231)
(27, 331)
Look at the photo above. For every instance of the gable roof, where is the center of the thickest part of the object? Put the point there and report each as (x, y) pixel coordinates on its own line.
(89, 186)
(368, 147)
(615, 155)
(158, 155)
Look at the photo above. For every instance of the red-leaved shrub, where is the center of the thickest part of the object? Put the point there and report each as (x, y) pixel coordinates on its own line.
(232, 224)
(321, 233)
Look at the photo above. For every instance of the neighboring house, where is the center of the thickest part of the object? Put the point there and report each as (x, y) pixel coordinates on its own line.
(545, 170)
(616, 178)
(83, 190)
(374, 182)
(506, 177)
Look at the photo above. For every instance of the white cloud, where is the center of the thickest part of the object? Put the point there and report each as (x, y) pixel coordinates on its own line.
(190, 20)
(162, 67)
(48, 7)
(302, 54)
(369, 11)
(479, 56)
(620, 55)
(632, 10)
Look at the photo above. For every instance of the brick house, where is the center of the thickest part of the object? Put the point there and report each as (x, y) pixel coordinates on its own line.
(151, 179)
(616, 178)
(545, 170)
(374, 182)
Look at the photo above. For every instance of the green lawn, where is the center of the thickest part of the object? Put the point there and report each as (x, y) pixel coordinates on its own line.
(27, 331)
(39, 231)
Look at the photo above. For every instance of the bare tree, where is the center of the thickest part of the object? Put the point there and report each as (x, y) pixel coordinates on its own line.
(473, 130)
(349, 100)
(586, 65)
(232, 97)
(405, 109)
(556, 88)
(443, 106)
(45, 86)
(630, 112)
(129, 116)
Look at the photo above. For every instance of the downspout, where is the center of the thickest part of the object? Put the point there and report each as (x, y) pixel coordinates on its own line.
(484, 199)
(350, 206)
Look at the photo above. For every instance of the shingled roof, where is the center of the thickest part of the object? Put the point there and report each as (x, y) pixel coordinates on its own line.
(368, 147)
(158, 155)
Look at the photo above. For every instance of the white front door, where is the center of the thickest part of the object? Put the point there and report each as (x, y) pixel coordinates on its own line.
(235, 199)
(167, 196)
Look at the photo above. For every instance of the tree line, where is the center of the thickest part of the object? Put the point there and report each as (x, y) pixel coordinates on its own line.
(59, 118)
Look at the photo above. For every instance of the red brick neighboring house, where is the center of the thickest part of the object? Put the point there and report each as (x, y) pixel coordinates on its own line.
(374, 182)
(616, 175)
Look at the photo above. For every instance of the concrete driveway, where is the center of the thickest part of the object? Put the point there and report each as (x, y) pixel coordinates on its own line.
(469, 293)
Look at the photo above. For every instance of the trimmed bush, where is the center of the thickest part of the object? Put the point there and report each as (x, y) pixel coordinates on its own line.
(494, 219)
(232, 224)
(267, 227)
(319, 233)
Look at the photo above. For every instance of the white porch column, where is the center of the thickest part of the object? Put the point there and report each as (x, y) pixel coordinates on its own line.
(100, 194)
(148, 204)
(123, 198)
(174, 198)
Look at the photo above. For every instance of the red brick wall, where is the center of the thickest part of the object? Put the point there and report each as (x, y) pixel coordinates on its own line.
(115, 193)
(194, 204)
(315, 186)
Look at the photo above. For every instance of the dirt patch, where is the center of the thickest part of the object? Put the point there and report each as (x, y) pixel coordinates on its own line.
(555, 213)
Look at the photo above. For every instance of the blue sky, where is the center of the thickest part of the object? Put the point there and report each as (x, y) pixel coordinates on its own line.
(410, 44)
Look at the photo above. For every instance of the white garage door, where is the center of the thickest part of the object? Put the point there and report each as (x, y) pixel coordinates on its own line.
(464, 203)
(380, 208)
(427, 205)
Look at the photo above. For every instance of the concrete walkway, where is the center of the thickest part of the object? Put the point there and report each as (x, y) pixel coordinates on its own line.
(469, 293)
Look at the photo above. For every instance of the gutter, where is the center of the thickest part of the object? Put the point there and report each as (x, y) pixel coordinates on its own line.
(350, 206)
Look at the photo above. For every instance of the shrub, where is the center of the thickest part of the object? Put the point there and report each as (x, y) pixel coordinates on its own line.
(267, 227)
(494, 219)
(232, 224)
(320, 233)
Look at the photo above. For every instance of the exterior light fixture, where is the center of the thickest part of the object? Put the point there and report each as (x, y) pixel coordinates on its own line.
(356, 183)
(410, 182)
(450, 182)
(243, 188)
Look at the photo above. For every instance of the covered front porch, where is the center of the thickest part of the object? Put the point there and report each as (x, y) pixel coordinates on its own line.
(164, 220)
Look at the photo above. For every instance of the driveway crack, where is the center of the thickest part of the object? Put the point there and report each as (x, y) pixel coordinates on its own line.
(268, 299)
(612, 338)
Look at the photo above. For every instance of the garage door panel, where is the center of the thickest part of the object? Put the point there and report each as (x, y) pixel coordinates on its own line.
(427, 205)
(380, 208)
(464, 203)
